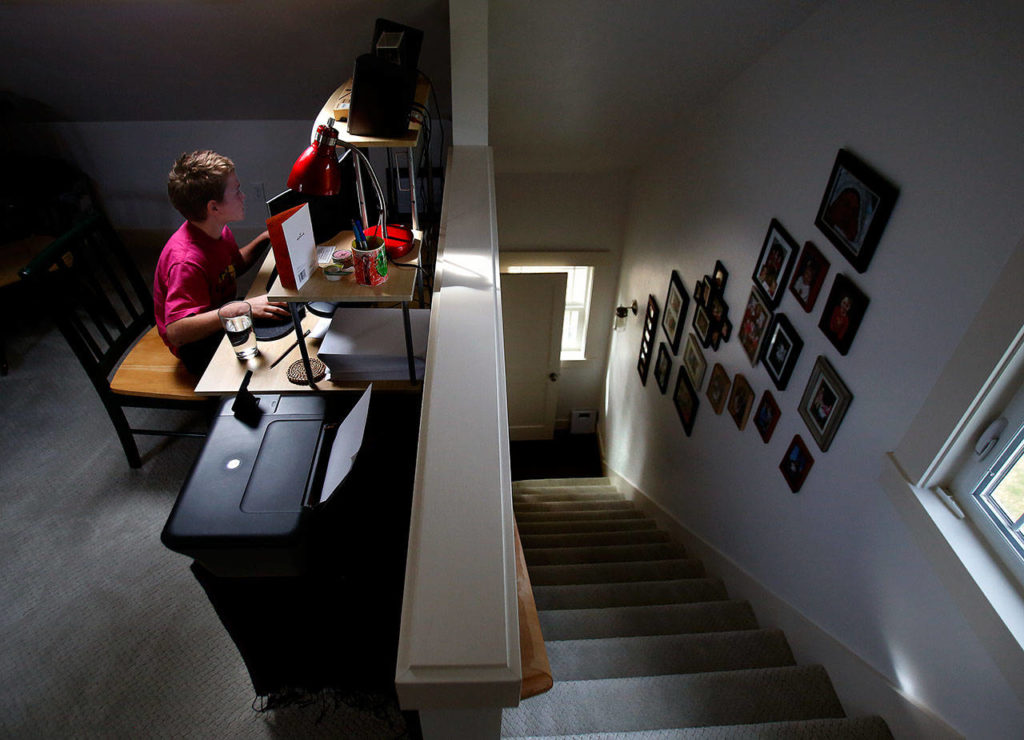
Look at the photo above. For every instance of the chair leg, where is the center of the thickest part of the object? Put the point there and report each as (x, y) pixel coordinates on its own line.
(3, 352)
(124, 433)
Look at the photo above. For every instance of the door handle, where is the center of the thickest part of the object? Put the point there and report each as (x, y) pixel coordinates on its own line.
(553, 377)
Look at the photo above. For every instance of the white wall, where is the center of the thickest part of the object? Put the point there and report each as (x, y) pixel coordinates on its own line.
(933, 99)
(560, 213)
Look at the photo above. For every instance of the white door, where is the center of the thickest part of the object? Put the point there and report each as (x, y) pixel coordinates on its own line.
(532, 310)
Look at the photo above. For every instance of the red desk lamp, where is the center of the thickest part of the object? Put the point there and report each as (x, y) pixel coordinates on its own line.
(316, 172)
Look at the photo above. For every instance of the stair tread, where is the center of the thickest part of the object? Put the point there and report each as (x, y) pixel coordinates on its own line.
(708, 616)
(839, 728)
(617, 657)
(690, 700)
(636, 571)
(642, 593)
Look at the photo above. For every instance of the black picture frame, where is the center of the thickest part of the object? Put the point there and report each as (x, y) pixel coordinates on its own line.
(702, 325)
(780, 350)
(809, 276)
(767, 416)
(741, 401)
(693, 361)
(771, 272)
(796, 464)
(843, 312)
(720, 276)
(756, 318)
(663, 367)
(643, 363)
(718, 387)
(686, 402)
(825, 402)
(855, 208)
(676, 304)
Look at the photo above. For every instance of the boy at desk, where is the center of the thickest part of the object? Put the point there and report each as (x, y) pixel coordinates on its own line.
(195, 274)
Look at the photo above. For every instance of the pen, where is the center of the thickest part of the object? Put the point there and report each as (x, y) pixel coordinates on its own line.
(292, 346)
(357, 228)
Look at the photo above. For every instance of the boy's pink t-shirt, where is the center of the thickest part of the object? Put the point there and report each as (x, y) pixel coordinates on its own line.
(194, 274)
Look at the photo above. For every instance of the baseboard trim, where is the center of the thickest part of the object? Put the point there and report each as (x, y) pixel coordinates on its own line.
(862, 689)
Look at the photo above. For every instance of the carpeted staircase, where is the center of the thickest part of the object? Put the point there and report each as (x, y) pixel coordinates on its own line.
(643, 644)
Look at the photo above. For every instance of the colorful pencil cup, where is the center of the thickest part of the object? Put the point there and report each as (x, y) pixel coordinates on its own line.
(371, 265)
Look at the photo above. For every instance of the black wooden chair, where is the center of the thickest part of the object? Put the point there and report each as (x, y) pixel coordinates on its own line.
(96, 296)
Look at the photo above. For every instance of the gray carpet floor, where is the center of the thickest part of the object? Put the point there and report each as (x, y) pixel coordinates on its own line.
(103, 631)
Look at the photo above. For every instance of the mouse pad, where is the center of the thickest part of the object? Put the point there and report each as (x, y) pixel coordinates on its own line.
(267, 330)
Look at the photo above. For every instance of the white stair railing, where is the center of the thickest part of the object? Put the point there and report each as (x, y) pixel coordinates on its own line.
(458, 658)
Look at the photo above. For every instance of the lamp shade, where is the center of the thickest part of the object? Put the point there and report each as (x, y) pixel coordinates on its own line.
(316, 171)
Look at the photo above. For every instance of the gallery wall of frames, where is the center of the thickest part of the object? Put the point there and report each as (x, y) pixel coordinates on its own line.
(855, 206)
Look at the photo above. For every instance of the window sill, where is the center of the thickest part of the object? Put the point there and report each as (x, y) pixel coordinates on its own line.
(987, 596)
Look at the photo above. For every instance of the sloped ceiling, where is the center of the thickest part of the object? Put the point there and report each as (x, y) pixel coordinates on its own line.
(574, 85)
(585, 85)
(181, 60)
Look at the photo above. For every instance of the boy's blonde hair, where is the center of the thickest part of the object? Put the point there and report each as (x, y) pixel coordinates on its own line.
(195, 180)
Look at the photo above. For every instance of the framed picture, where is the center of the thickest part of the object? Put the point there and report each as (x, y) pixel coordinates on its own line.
(685, 399)
(718, 387)
(809, 276)
(767, 416)
(782, 347)
(741, 401)
(843, 312)
(702, 325)
(755, 322)
(694, 362)
(663, 367)
(825, 401)
(796, 463)
(709, 289)
(720, 277)
(643, 362)
(855, 208)
(698, 293)
(771, 273)
(676, 303)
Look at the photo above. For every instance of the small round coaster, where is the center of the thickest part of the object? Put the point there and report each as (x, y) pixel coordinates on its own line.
(297, 371)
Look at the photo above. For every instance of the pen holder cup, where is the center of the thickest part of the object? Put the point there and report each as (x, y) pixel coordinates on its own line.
(371, 265)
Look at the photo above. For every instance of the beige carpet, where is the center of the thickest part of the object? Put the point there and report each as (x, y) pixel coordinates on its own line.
(105, 633)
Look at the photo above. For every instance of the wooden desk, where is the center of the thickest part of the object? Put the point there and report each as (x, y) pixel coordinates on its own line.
(225, 372)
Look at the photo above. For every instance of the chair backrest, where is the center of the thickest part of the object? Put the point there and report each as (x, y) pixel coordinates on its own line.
(89, 285)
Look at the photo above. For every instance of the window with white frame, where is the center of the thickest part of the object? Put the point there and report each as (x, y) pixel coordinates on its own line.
(578, 287)
(990, 486)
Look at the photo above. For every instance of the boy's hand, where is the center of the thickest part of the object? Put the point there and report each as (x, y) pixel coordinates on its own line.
(264, 309)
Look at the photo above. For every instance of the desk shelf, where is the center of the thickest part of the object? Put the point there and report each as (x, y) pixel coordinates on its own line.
(400, 286)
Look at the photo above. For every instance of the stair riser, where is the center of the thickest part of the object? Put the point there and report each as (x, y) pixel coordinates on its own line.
(663, 619)
(587, 539)
(566, 494)
(606, 515)
(563, 506)
(603, 595)
(560, 483)
(598, 525)
(574, 660)
(602, 554)
(644, 570)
